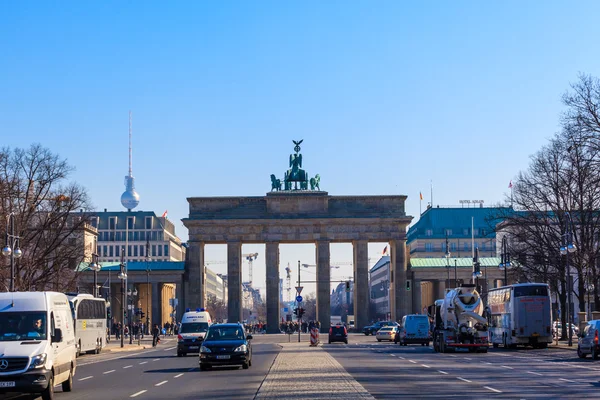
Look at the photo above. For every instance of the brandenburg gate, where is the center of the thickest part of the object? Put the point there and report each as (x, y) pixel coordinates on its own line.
(298, 214)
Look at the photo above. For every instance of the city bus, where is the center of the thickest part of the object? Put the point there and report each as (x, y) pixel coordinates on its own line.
(89, 316)
(520, 314)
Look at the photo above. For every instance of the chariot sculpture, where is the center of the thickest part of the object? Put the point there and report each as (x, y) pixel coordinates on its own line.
(295, 178)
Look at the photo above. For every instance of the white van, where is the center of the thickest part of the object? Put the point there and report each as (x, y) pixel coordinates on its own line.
(193, 328)
(414, 329)
(37, 343)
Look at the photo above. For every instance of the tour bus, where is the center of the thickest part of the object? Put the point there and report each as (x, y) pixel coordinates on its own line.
(89, 314)
(520, 314)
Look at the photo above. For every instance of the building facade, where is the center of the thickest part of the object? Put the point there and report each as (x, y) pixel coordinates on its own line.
(379, 288)
(133, 231)
(463, 226)
(214, 285)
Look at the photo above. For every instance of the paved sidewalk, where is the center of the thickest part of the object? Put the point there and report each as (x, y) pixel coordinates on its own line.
(146, 343)
(301, 372)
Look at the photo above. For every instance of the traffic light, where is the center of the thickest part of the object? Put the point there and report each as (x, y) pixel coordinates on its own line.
(125, 314)
(300, 312)
(142, 314)
(108, 314)
(347, 286)
(296, 311)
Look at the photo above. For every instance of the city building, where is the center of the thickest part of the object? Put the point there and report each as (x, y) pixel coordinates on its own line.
(135, 230)
(462, 226)
(214, 285)
(341, 299)
(379, 288)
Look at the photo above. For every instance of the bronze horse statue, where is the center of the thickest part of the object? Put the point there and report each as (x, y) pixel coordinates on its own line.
(275, 183)
(314, 182)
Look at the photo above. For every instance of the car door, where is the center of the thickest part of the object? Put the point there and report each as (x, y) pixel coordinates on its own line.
(585, 345)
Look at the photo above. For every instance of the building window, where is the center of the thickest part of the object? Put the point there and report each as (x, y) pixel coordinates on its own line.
(466, 231)
(136, 236)
(135, 251)
(94, 222)
(466, 246)
(148, 224)
(105, 251)
(130, 236)
(130, 222)
(128, 251)
(110, 251)
(154, 236)
(166, 250)
(112, 223)
(160, 251)
(428, 246)
(452, 246)
(153, 250)
(117, 251)
(142, 235)
(449, 232)
(429, 232)
(476, 232)
(111, 237)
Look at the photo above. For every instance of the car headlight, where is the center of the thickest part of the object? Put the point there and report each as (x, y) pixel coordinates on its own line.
(204, 349)
(242, 348)
(38, 361)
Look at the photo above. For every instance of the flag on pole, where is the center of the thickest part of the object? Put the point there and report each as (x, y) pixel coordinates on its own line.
(385, 250)
(510, 185)
(165, 214)
(421, 195)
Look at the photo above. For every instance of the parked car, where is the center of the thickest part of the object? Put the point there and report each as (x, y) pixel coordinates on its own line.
(589, 341)
(557, 329)
(338, 333)
(372, 329)
(414, 329)
(387, 333)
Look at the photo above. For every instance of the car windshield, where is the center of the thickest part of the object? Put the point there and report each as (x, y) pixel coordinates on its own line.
(386, 329)
(225, 333)
(22, 326)
(194, 327)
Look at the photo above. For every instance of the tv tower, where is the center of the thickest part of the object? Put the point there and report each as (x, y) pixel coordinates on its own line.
(130, 199)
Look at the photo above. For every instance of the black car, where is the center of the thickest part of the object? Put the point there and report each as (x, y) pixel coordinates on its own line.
(226, 344)
(372, 329)
(338, 333)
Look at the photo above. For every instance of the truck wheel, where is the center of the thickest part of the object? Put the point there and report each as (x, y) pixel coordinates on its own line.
(48, 393)
(67, 385)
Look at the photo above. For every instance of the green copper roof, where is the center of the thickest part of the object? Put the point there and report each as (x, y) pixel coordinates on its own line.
(139, 266)
(465, 262)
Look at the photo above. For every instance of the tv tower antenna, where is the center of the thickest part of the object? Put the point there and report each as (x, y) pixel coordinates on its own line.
(130, 199)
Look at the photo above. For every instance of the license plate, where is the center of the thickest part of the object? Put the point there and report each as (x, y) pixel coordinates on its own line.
(194, 347)
(7, 384)
(223, 357)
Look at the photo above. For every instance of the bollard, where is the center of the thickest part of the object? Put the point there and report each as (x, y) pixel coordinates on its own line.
(314, 337)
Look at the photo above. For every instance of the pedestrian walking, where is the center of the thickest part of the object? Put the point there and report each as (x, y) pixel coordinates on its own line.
(155, 335)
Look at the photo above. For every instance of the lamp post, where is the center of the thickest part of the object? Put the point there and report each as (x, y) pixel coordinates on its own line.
(95, 266)
(12, 241)
(148, 259)
(131, 294)
(504, 259)
(455, 273)
(476, 268)
(447, 255)
(565, 249)
(122, 277)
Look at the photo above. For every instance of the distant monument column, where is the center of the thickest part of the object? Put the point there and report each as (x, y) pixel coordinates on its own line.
(234, 281)
(195, 284)
(323, 285)
(400, 298)
(272, 250)
(361, 284)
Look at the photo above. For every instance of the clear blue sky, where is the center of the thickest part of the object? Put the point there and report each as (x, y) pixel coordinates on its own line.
(388, 96)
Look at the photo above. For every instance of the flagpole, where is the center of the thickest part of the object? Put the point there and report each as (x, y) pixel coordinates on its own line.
(420, 204)
(432, 193)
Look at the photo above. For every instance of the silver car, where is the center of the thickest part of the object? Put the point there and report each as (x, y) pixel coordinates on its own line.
(589, 343)
(387, 333)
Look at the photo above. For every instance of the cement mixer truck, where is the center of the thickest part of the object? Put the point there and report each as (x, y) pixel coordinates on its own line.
(459, 321)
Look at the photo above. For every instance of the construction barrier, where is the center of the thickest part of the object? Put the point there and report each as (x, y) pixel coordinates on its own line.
(314, 336)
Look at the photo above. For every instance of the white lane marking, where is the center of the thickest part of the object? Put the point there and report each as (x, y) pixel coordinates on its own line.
(507, 355)
(170, 348)
(412, 361)
(86, 378)
(534, 373)
(161, 383)
(467, 358)
(138, 393)
(128, 366)
(402, 357)
(566, 380)
(109, 372)
(492, 389)
(144, 362)
(156, 359)
(426, 366)
(178, 375)
(485, 362)
(450, 355)
(463, 379)
(442, 372)
(507, 367)
(115, 358)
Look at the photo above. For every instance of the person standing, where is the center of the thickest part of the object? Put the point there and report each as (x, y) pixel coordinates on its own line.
(155, 335)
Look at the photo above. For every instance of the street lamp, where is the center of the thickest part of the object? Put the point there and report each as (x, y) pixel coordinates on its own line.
(447, 260)
(455, 274)
(122, 276)
(12, 241)
(565, 249)
(131, 294)
(148, 259)
(95, 266)
(504, 259)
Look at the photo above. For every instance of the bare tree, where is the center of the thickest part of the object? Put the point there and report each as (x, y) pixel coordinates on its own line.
(34, 186)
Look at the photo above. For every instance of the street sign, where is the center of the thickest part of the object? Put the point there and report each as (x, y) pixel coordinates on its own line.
(299, 299)
(299, 289)
(285, 309)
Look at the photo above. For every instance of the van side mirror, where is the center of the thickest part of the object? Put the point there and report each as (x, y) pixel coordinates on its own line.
(57, 337)
(249, 337)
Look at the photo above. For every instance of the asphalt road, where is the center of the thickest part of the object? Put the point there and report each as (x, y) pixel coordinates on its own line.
(160, 374)
(392, 371)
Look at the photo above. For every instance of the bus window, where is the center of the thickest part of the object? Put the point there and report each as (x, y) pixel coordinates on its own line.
(521, 291)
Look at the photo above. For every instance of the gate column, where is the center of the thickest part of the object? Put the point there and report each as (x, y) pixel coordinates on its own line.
(272, 249)
(234, 281)
(194, 277)
(361, 284)
(400, 298)
(323, 285)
